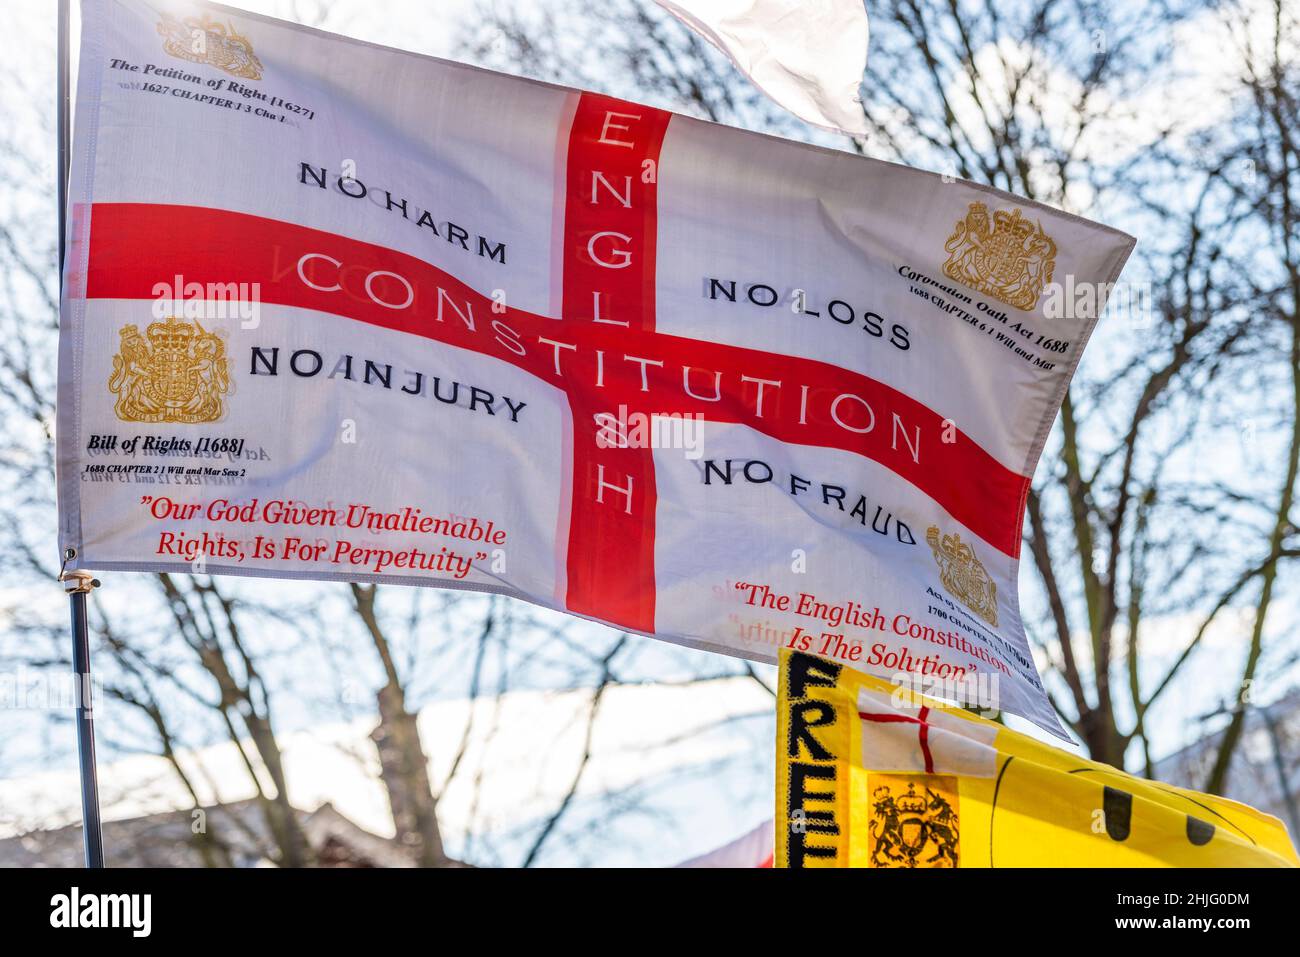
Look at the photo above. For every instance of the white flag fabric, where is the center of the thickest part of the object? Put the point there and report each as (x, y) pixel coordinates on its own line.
(807, 55)
(752, 849)
(338, 312)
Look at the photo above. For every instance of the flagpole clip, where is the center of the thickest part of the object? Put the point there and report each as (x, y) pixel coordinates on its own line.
(78, 582)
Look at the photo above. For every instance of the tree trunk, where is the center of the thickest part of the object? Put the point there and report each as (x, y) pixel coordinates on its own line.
(404, 768)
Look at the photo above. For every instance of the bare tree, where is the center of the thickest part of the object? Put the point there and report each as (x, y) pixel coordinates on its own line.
(1262, 174)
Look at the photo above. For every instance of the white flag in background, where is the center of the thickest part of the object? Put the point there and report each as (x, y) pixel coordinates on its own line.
(753, 849)
(335, 311)
(807, 55)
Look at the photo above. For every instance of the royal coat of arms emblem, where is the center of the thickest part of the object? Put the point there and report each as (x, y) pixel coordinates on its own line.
(177, 374)
(914, 830)
(1010, 259)
(964, 575)
(204, 40)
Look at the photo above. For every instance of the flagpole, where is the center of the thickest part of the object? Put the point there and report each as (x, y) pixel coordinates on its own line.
(77, 584)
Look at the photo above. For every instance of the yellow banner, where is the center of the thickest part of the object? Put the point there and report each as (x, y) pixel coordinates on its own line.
(872, 775)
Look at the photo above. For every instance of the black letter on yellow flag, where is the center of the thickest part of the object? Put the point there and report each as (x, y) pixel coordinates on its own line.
(807, 727)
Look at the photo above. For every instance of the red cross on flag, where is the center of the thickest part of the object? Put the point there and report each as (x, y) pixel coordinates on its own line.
(922, 738)
(339, 312)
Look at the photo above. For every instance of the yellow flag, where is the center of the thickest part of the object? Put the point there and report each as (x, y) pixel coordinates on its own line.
(872, 775)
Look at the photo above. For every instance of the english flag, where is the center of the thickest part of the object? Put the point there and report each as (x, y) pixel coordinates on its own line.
(339, 312)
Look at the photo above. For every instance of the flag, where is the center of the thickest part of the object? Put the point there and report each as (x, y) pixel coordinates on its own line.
(807, 55)
(871, 774)
(752, 849)
(344, 313)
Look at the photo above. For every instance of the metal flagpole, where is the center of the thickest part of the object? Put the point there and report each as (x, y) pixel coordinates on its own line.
(78, 583)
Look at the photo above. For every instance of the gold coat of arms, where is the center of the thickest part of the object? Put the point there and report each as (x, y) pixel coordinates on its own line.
(964, 575)
(1010, 259)
(204, 40)
(914, 830)
(177, 374)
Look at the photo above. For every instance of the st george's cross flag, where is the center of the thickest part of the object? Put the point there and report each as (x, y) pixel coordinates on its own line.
(340, 312)
(869, 774)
